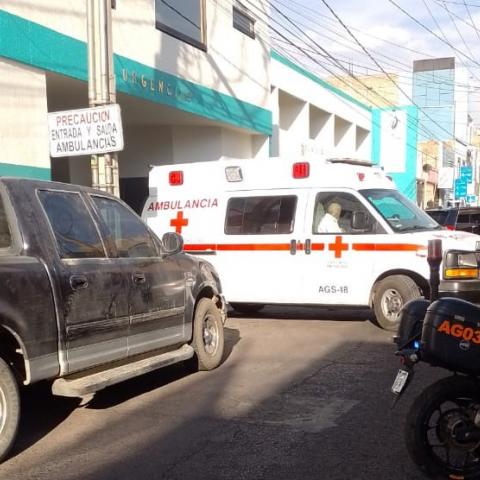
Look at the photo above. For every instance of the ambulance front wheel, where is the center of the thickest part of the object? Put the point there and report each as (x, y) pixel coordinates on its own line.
(389, 297)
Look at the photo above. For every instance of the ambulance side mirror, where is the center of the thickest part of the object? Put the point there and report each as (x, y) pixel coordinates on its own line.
(172, 243)
(360, 221)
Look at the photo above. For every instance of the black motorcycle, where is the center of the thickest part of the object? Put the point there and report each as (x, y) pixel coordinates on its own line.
(443, 425)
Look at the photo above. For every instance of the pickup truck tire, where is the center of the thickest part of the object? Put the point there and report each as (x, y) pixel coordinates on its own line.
(9, 409)
(390, 295)
(208, 338)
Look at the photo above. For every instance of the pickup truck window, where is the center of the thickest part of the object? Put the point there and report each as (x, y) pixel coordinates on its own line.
(5, 236)
(129, 233)
(72, 225)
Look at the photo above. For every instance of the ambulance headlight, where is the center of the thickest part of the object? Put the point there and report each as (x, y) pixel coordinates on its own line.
(460, 265)
(233, 174)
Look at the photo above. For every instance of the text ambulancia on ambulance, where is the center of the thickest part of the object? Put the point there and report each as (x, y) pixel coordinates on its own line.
(334, 232)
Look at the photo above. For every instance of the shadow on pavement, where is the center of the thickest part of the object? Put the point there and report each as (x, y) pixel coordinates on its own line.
(289, 312)
(42, 411)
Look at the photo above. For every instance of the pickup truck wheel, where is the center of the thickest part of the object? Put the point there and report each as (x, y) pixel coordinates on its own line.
(9, 409)
(208, 338)
(390, 295)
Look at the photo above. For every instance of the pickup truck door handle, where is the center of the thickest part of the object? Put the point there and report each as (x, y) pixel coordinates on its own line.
(77, 282)
(138, 278)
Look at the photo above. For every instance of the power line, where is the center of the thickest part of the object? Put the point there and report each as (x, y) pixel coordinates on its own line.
(379, 66)
(432, 32)
(335, 61)
(443, 33)
(422, 128)
(456, 27)
(403, 66)
(403, 47)
(471, 19)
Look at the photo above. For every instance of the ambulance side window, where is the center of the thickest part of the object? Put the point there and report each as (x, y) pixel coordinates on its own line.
(264, 215)
(339, 212)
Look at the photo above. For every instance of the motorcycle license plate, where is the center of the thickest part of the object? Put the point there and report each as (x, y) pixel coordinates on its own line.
(400, 381)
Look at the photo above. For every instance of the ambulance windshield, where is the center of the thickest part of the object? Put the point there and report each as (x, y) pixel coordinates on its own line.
(400, 213)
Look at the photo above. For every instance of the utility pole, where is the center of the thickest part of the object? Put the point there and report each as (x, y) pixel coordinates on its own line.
(101, 86)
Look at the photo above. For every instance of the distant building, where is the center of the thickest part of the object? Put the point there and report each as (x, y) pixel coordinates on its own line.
(378, 90)
(441, 91)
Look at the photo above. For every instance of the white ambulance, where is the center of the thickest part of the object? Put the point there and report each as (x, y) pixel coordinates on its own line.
(327, 233)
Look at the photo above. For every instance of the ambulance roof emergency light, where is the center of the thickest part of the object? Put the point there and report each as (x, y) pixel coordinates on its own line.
(175, 177)
(233, 174)
(301, 170)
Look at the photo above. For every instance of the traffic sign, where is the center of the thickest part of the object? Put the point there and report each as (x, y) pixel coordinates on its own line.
(460, 188)
(466, 173)
(85, 131)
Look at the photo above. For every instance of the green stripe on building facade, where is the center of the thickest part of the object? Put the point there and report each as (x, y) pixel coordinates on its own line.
(38, 46)
(319, 81)
(25, 171)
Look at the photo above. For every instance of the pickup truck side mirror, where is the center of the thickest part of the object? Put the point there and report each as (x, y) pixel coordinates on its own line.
(360, 221)
(172, 243)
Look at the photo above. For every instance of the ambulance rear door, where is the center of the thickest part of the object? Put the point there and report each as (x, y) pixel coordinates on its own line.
(258, 256)
(338, 263)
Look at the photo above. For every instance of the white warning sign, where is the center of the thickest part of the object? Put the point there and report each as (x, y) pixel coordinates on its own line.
(86, 131)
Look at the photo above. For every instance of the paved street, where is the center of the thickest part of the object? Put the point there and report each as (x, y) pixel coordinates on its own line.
(302, 394)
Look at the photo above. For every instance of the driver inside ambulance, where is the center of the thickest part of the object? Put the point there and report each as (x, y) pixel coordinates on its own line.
(329, 222)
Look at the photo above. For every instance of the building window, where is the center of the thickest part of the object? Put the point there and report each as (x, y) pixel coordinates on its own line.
(243, 21)
(184, 20)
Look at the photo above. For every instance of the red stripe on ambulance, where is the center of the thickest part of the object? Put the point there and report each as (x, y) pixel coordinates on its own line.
(336, 247)
(387, 247)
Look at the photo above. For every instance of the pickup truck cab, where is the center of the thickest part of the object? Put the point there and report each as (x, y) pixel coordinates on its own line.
(90, 296)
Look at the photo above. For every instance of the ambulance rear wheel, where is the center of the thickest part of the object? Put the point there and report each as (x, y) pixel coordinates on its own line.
(247, 308)
(390, 295)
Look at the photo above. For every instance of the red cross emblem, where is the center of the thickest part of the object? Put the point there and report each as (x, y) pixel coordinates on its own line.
(179, 222)
(338, 247)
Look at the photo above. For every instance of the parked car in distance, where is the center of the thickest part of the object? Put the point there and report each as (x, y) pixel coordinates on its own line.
(466, 219)
(90, 296)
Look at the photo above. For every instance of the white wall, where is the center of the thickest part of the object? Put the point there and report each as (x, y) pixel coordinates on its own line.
(234, 63)
(23, 116)
(344, 136)
(204, 144)
(313, 120)
(294, 124)
(293, 82)
(145, 145)
(196, 144)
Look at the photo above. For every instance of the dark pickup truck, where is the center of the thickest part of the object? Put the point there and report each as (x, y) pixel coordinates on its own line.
(89, 296)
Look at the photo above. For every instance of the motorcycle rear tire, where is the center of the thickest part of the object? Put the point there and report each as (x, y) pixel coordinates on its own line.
(422, 410)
